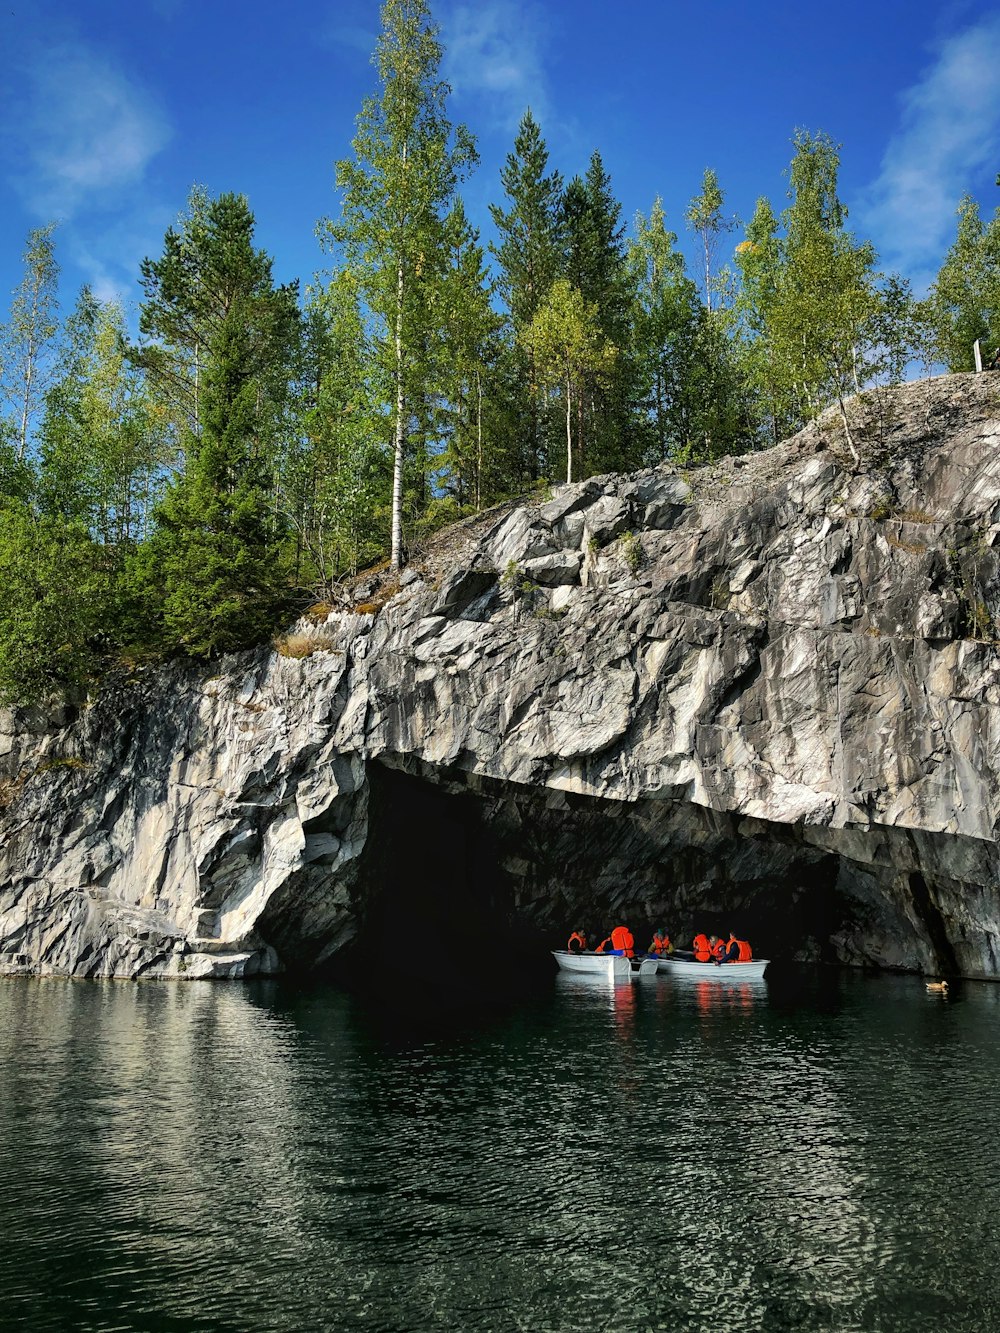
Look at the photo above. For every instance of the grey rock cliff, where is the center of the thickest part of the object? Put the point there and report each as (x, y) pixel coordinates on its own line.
(766, 693)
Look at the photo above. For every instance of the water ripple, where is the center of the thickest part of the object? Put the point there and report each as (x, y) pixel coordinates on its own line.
(642, 1156)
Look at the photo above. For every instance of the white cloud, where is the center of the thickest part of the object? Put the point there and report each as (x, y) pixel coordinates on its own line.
(84, 133)
(948, 143)
(493, 52)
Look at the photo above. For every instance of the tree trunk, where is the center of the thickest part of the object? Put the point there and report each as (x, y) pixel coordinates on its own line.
(569, 432)
(479, 439)
(399, 443)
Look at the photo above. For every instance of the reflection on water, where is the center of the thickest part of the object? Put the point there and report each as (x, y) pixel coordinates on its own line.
(658, 1154)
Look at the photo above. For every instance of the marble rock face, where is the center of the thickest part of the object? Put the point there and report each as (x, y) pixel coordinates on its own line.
(765, 693)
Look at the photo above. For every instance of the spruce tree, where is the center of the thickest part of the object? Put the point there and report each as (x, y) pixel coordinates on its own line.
(528, 255)
(213, 577)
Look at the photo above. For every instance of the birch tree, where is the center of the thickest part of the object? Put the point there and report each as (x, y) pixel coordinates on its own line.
(28, 339)
(397, 191)
(566, 340)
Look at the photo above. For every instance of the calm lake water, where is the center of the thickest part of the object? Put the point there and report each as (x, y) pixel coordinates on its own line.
(800, 1154)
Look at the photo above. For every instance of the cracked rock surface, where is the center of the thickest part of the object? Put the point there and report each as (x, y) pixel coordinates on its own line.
(769, 689)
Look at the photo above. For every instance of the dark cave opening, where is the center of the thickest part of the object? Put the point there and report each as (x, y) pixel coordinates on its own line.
(458, 867)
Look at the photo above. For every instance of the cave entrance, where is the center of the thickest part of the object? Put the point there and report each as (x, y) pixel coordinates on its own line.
(457, 864)
(434, 885)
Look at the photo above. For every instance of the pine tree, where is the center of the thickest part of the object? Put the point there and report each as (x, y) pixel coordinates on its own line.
(828, 322)
(596, 264)
(529, 260)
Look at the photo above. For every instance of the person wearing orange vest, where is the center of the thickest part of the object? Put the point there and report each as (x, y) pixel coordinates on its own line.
(717, 948)
(623, 941)
(737, 951)
(702, 948)
(577, 942)
(660, 944)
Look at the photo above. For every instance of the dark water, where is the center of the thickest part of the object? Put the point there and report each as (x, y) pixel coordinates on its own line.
(655, 1156)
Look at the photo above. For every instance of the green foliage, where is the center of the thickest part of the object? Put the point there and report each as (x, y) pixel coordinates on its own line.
(397, 191)
(55, 606)
(964, 301)
(823, 322)
(569, 350)
(28, 339)
(183, 494)
(632, 552)
(213, 576)
(215, 563)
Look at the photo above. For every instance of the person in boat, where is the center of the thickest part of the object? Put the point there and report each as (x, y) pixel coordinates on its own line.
(660, 944)
(717, 948)
(621, 940)
(702, 948)
(736, 950)
(577, 942)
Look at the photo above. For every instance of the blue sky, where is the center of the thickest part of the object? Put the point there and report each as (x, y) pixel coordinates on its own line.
(109, 111)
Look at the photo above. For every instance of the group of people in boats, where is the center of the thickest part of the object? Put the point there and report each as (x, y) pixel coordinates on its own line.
(715, 949)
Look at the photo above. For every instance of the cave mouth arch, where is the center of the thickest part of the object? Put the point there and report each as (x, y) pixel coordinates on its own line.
(458, 862)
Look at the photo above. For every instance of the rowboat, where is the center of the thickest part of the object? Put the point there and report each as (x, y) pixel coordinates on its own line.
(611, 966)
(688, 967)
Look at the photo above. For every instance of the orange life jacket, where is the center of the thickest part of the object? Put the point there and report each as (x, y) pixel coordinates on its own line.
(622, 938)
(702, 948)
(656, 947)
(718, 949)
(603, 945)
(745, 954)
(579, 937)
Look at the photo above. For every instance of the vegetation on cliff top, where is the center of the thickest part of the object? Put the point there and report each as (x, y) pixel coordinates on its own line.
(184, 491)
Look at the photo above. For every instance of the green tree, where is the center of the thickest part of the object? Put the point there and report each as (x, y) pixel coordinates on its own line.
(705, 218)
(528, 254)
(100, 454)
(470, 343)
(28, 339)
(336, 478)
(213, 576)
(830, 324)
(964, 301)
(569, 348)
(664, 329)
(397, 191)
(596, 263)
(53, 607)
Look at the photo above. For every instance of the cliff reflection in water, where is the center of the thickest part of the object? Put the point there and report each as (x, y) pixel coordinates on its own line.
(221, 1158)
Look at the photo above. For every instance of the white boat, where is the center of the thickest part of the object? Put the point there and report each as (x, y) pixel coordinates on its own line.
(612, 966)
(688, 967)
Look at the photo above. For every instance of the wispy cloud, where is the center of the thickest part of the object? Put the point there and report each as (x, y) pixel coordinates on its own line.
(108, 255)
(493, 52)
(85, 133)
(948, 143)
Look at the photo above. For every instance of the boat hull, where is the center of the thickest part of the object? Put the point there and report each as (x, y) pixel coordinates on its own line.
(685, 967)
(613, 967)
